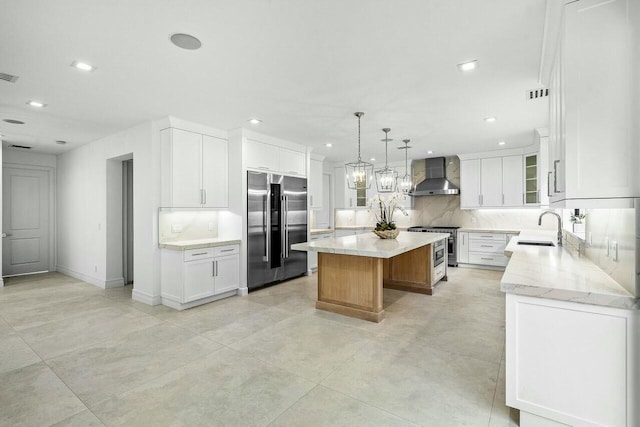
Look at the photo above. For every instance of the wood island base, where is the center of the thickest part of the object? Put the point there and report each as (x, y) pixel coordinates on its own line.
(352, 285)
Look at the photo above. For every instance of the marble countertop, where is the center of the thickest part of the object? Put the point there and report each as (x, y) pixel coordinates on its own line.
(488, 230)
(560, 274)
(321, 231)
(183, 245)
(371, 245)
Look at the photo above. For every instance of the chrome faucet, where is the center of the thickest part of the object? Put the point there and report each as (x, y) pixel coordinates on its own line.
(559, 224)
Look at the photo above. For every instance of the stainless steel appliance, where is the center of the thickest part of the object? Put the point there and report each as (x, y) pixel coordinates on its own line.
(435, 182)
(452, 240)
(276, 219)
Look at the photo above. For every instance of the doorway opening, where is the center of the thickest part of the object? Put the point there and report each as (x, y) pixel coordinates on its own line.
(120, 231)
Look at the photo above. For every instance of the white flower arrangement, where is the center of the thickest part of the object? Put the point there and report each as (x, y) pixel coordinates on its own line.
(385, 207)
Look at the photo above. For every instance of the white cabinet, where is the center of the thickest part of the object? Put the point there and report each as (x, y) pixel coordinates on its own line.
(463, 247)
(492, 182)
(345, 198)
(532, 180)
(470, 183)
(314, 184)
(194, 170)
(292, 162)
(261, 156)
(594, 105)
(312, 257)
(197, 276)
(486, 249)
(267, 157)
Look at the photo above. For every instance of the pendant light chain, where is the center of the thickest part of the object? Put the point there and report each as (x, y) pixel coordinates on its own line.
(359, 158)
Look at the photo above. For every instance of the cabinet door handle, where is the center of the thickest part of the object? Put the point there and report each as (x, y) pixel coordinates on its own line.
(204, 192)
(311, 197)
(293, 172)
(217, 271)
(199, 253)
(479, 199)
(262, 167)
(227, 250)
(213, 268)
(549, 184)
(503, 199)
(555, 176)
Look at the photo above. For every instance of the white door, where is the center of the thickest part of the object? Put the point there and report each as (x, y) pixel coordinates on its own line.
(491, 182)
(214, 172)
(227, 274)
(470, 183)
(512, 181)
(186, 173)
(198, 279)
(25, 213)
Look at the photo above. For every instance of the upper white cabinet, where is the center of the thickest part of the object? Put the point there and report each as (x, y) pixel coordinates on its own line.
(194, 169)
(593, 147)
(272, 158)
(314, 184)
(495, 182)
(262, 156)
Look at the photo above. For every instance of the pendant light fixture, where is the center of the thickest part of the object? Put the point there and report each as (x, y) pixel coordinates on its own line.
(359, 173)
(386, 178)
(405, 184)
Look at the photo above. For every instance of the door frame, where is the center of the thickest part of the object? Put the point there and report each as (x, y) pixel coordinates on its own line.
(53, 232)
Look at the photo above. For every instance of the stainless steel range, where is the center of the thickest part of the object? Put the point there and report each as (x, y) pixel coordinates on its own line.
(452, 241)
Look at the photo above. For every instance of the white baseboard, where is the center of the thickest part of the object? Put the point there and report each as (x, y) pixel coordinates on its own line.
(178, 306)
(145, 298)
(85, 278)
(481, 267)
(114, 283)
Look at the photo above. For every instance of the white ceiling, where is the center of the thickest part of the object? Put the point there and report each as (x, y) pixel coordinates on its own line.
(303, 67)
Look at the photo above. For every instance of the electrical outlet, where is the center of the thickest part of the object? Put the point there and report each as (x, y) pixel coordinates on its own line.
(211, 225)
(473, 220)
(614, 250)
(606, 246)
(176, 228)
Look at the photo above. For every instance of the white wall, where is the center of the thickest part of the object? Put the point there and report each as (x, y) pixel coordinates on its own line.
(82, 209)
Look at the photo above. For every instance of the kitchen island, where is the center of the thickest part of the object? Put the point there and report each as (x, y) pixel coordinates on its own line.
(353, 270)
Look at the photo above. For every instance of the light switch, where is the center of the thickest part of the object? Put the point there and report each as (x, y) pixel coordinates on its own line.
(176, 228)
(614, 251)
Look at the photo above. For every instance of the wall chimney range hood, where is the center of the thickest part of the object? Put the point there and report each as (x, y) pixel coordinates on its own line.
(435, 181)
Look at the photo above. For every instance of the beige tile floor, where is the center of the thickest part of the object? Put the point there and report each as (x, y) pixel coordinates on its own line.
(75, 355)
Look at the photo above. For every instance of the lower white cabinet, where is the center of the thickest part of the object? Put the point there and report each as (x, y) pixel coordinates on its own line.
(197, 276)
(312, 257)
(483, 248)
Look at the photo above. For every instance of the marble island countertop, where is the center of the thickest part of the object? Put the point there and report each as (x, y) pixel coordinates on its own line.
(370, 245)
(315, 231)
(489, 230)
(183, 245)
(555, 272)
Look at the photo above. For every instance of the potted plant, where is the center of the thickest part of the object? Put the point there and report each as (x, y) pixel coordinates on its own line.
(384, 208)
(577, 219)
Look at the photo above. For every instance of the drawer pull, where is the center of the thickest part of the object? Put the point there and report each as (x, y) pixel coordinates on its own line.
(262, 167)
(199, 253)
(486, 246)
(488, 237)
(487, 259)
(227, 250)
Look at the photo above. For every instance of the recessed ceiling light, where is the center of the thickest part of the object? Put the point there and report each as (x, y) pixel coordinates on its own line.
(490, 119)
(185, 41)
(468, 65)
(501, 143)
(13, 122)
(429, 152)
(36, 104)
(255, 121)
(328, 145)
(82, 66)
(373, 159)
(61, 142)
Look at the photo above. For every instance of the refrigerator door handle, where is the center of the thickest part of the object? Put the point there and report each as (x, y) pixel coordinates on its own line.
(283, 228)
(286, 226)
(266, 227)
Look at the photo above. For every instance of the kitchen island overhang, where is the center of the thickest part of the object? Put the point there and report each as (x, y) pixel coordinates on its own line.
(353, 270)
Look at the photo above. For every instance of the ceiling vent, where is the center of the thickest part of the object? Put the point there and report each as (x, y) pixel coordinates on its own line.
(537, 93)
(19, 147)
(8, 78)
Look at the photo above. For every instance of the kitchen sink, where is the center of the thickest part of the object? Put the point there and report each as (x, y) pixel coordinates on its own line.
(535, 242)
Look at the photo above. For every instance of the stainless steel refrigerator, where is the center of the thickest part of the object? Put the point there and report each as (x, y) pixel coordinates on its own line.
(276, 219)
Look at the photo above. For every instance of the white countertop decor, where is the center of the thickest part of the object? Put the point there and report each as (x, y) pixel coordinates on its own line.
(183, 245)
(371, 245)
(560, 274)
